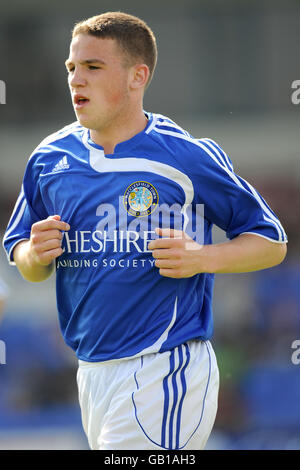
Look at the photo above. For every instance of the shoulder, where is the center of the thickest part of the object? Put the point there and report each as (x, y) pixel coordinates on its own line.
(164, 127)
(58, 140)
(62, 133)
(202, 150)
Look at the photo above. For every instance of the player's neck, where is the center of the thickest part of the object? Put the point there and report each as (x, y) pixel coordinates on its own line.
(119, 131)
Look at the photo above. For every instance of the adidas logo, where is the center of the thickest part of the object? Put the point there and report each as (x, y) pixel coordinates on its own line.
(61, 165)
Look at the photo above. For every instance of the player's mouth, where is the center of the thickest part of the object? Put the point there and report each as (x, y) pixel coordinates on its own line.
(80, 101)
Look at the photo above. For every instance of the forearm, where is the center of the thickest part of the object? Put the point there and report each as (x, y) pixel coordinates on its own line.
(178, 256)
(27, 266)
(244, 253)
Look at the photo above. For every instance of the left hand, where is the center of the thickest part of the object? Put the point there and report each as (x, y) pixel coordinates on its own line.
(175, 254)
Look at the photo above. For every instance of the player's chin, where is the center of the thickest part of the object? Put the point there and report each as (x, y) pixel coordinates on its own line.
(84, 120)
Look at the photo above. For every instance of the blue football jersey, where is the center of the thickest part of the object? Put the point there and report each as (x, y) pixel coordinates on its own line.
(112, 302)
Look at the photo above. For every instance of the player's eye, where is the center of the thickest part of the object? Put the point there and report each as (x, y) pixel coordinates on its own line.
(93, 67)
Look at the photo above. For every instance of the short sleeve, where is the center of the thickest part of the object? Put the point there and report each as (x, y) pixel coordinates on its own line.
(230, 202)
(28, 209)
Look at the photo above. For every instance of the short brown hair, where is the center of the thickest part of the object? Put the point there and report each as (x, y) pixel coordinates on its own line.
(133, 35)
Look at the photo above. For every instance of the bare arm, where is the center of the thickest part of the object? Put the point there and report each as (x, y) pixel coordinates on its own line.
(35, 257)
(182, 257)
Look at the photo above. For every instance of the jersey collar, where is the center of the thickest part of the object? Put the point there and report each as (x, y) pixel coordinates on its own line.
(121, 146)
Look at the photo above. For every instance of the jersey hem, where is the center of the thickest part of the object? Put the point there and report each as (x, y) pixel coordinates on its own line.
(91, 362)
(84, 362)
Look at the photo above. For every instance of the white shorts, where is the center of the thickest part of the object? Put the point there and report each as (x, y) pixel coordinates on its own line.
(157, 401)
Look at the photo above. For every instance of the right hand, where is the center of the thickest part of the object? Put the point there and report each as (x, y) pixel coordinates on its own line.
(46, 239)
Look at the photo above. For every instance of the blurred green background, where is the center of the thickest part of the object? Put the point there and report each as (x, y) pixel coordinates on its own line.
(225, 70)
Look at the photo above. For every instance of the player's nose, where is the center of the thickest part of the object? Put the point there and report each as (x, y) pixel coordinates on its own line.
(77, 79)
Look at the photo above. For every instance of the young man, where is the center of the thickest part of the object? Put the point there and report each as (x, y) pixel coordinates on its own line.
(113, 203)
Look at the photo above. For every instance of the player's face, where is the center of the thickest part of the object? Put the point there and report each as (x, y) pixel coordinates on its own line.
(98, 79)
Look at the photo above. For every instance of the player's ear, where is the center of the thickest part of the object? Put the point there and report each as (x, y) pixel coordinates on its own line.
(139, 76)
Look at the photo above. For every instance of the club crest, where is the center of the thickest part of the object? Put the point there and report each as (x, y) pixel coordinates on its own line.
(140, 199)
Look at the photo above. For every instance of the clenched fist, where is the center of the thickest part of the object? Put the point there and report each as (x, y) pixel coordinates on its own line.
(34, 257)
(46, 238)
